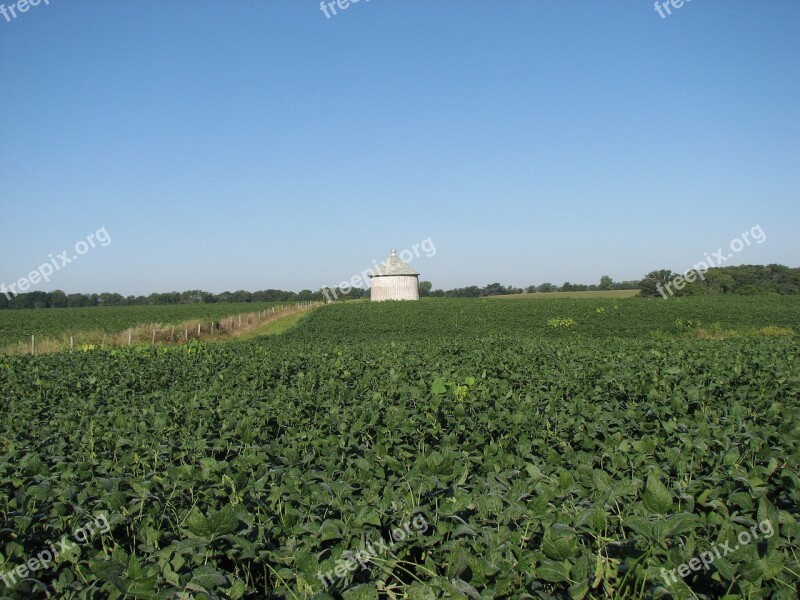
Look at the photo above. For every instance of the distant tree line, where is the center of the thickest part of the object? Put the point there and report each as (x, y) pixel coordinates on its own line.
(745, 279)
(496, 289)
(59, 299)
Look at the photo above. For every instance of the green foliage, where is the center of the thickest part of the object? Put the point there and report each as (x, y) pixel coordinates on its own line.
(621, 317)
(546, 465)
(58, 299)
(561, 323)
(655, 280)
(19, 325)
(741, 279)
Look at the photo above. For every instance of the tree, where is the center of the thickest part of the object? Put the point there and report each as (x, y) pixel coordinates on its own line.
(357, 293)
(425, 288)
(719, 281)
(242, 296)
(655, 280)
(606, 283)
(76, 300)
(494, 289)
(107, 299)
(190, 297)
(58, 299)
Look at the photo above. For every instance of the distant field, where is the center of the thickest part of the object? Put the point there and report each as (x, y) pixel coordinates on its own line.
(595, 314)
(555, 295)
(593, 317)
(19, 325)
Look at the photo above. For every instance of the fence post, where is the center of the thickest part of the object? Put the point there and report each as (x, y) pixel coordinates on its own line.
(33, 345)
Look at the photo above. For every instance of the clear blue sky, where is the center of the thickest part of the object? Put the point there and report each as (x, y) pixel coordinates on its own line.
(257, 144)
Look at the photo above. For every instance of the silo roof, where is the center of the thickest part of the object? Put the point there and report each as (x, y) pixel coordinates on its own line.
(393, 266)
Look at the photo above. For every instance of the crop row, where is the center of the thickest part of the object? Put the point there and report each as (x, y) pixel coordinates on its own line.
(597, 318)
(543, 468)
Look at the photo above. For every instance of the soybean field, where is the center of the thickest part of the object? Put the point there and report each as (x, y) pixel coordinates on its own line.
(573, 448)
